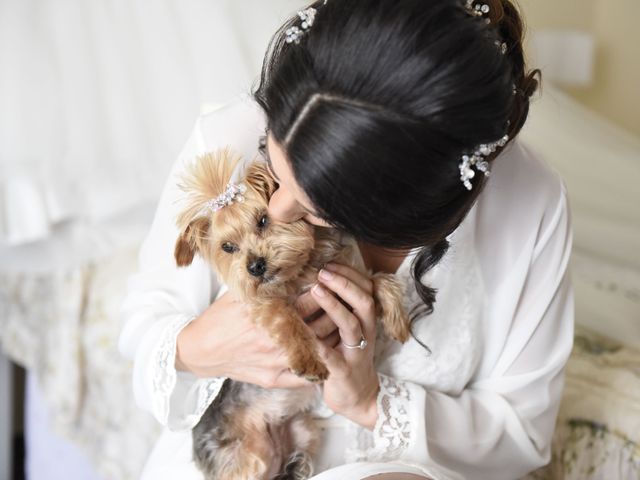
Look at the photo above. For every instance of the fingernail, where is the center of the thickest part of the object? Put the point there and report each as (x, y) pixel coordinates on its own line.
(318, 290)
(325, 274)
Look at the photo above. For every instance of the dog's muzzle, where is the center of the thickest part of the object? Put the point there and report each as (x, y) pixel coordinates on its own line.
(257, 267)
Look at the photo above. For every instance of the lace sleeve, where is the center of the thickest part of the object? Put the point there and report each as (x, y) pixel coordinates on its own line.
(181, 397)
(164, 375)
(394, 430)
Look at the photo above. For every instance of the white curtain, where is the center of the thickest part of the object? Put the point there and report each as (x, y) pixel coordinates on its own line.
(97, 96)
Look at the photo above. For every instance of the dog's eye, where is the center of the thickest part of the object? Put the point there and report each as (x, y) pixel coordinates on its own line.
(263, 222)
(229, 247)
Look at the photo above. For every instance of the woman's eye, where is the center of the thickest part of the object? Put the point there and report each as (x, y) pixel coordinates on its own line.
(263, 222)
(229, 247)
(262, 146)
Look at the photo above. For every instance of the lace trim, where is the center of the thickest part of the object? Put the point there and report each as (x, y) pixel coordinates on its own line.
(164, 377)
(392, 431)
(207, 391)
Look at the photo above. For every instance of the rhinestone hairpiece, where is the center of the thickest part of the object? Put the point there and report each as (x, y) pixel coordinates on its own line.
(233, 193)
(477, 159)
(479, 10)
(307, 17)
(295, 33)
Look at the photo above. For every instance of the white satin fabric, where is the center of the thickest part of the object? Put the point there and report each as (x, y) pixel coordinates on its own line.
(482, 406)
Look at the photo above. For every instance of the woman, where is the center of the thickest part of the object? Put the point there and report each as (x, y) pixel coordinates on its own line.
(383, 119)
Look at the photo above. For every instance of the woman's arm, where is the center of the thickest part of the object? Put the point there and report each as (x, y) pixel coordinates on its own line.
(501, 426)
(161, 300)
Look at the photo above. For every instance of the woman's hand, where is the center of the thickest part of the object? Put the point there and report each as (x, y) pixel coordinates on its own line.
(352, 387)
(224, 342)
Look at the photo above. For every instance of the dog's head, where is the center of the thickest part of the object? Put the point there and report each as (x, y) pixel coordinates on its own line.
(251, 253)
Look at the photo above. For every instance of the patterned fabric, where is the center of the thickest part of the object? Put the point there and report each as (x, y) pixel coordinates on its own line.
(393, 429)
(598, 430)
(63, 326)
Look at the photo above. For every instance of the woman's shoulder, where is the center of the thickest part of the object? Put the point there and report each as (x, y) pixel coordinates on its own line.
(237, 123)
(523, 207)
(523, 188)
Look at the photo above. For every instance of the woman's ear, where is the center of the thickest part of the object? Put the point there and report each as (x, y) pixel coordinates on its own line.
(190, 241)
(259, 178)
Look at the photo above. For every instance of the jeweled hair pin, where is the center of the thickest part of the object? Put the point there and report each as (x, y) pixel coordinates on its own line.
(480, 10)
(233, 193)
(307, 17)
(295, 33)
(477, 159)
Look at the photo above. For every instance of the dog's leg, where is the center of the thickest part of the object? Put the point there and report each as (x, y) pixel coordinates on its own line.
(388, 294)
(298, 467)
(234, 444)
(304, 436)
(289, 331)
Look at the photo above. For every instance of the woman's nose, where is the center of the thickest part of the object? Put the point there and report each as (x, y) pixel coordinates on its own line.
(284, 208)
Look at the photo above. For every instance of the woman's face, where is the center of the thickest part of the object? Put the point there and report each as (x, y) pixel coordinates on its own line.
(288, 203)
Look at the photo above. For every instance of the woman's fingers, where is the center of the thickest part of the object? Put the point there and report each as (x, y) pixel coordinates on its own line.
(332, 340)
(323, 326)
(307, 306)
(348, 324)
(363, 281)
(359, 299)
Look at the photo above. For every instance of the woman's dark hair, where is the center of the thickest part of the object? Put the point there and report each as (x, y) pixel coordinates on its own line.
(377, 103)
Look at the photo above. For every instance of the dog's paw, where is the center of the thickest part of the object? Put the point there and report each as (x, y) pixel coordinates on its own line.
(299, 467)
(313, 372)
(316, 378)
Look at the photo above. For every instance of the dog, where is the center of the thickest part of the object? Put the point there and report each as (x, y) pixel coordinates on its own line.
(250, 432)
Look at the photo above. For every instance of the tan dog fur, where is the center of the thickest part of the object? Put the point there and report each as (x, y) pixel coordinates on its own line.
(269, 430)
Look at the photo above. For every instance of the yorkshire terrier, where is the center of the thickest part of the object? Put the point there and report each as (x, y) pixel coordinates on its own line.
(249, 432)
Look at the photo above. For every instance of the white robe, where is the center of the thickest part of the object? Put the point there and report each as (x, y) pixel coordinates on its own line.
(481, 406)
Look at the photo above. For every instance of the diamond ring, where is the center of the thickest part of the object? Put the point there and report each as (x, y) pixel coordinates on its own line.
(360, 345)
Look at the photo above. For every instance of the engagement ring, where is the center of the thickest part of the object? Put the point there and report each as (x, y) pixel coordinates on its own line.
(360, 345)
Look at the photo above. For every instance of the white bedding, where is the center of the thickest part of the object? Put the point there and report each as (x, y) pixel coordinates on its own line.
(600, 164)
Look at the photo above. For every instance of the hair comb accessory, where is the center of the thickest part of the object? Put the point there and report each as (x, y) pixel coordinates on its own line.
(479, 10)
(295, 33)
(307, 17)
(233, 193)
(477, 159)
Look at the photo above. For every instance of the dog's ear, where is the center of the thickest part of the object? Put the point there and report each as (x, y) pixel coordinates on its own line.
(189, 242)
(259, 178)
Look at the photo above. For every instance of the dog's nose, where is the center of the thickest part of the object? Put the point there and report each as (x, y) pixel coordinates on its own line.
(257, 267)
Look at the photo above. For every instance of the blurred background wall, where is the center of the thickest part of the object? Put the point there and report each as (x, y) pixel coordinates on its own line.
(613, 24)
